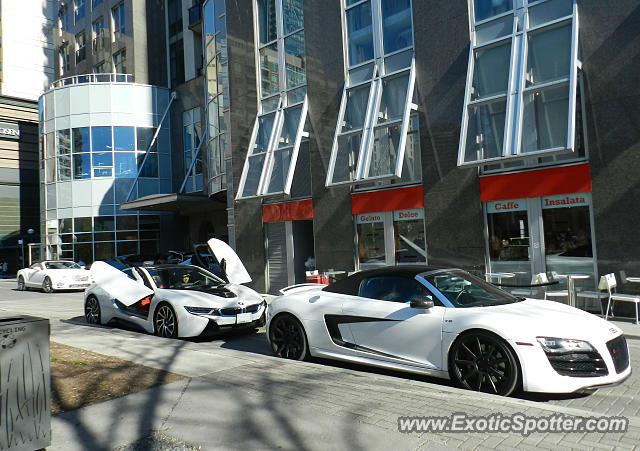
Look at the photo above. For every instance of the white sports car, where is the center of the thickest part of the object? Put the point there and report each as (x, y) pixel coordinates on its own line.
(448, 323)
(175, 300)
(52, 275)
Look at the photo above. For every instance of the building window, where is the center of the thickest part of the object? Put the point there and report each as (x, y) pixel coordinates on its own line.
(174, 11)
(118, 20)
(80, 47)
(120, 62)
(102, 68)
(279, 128)
(64, 19)
(98, 34)
(522, 80)
(95, 3)
(64, 59)
(217, 93)
(78, 9)
(191, 141)
(176, 63)
(375, 114)
(390, 238)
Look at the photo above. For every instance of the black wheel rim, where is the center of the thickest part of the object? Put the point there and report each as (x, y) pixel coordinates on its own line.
(287, 339)
(92, 311)
(46, 285)
(165, 322)
(482, 363)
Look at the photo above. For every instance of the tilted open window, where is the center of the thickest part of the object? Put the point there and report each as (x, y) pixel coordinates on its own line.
(372, 129)
(520, 98)
(273, 152)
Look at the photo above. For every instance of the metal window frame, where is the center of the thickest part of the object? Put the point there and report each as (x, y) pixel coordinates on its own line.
(280, 110)
(369, 127)
(272, 148)
(514, 111)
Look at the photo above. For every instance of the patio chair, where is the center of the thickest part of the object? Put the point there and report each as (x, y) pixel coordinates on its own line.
(599, 295)
(611, 284)
(552, 277)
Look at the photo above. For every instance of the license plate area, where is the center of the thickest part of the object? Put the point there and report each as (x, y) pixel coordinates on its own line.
(243, 318)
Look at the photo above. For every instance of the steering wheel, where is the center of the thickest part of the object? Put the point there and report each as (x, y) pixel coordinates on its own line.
(464, 297)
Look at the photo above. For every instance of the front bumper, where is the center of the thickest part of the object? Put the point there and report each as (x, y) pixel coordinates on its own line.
(540, 376)
(71, 285)
(193, 325)
(214, 328)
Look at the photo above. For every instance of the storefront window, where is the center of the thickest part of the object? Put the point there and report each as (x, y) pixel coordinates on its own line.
(408, 233)
(541, 234)
(391, 238)
(371, 243)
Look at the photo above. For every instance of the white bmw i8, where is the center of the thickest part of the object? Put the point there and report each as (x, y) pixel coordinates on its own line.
(175, 300)
(450, 324)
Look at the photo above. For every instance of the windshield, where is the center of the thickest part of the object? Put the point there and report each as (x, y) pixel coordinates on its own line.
(182, 278)
(61, 265)
(466, 290)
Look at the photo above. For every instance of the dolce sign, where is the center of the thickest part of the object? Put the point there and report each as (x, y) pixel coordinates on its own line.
(408, 215)
(8, 130)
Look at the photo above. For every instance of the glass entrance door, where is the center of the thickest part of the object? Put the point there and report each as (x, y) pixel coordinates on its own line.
(509, 243)
(541, 234)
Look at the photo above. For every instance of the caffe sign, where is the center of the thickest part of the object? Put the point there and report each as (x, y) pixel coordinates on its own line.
(505, 206)
(10, 131)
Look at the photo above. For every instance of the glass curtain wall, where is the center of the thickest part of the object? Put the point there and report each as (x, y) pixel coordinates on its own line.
(191, 134)
(279, 128)
(88, 173)
(218, 160)
(522, 80)
(375, 119)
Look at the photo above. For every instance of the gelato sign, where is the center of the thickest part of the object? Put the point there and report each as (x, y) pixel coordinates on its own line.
(365, 218)
(10, 131)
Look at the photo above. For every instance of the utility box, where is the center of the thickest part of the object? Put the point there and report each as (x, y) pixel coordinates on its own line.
(25, 383)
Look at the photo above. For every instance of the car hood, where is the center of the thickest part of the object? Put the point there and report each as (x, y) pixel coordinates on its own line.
(533, 318)
(228, 295)
(234, 269)
(68, 272)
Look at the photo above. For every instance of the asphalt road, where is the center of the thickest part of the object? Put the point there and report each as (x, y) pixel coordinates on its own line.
(337, 389)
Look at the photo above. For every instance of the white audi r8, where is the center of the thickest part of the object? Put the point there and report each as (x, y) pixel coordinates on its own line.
(175, 300)
(52, 275)
(450, 324)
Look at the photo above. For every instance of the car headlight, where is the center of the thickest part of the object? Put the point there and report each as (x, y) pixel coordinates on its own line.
(563, 345)
(203, 311)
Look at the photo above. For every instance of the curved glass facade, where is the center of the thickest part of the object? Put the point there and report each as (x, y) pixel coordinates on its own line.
(96, 137)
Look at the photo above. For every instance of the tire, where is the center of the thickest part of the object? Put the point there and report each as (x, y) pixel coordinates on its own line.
(481, 361)
(287, 338)
(92, 313)
(165, 321)
(21, 285)
(47, 286)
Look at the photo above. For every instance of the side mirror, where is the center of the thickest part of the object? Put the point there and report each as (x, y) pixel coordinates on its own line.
(421, 302)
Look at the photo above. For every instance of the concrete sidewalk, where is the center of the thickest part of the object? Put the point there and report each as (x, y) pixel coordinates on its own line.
(239, 397)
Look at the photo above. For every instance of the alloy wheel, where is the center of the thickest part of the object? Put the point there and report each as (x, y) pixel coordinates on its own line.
(165, 322)
(46, 285)
(21, 285)
(483, 362)
(287, 338)
(92, 310)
